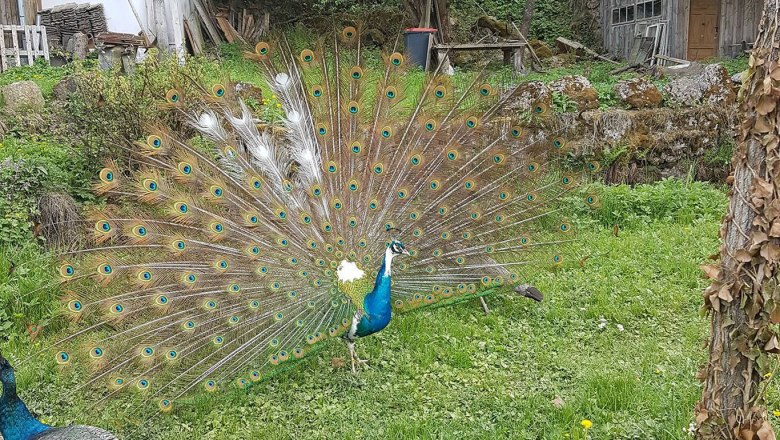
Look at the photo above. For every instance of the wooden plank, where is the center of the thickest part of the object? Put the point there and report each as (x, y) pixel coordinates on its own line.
(28, 45)
(191, 16)
(3, 65)
(44, 44)
(15, 44)
(206, 19)
(148, 35)
(193, 43)
(160, 28)
(481, 46)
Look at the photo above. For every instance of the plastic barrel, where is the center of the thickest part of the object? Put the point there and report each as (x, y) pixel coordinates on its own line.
(417, 41)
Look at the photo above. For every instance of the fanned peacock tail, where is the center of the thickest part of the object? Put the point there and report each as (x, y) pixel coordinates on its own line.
(219, 263)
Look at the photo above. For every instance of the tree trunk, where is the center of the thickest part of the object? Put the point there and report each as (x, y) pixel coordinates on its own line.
(528, 14)
(744, 297)
(440, 16)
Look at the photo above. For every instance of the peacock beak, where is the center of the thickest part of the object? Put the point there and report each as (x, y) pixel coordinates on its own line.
(404, 251)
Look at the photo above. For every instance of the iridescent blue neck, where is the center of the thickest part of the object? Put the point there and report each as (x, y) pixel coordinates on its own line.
(376, 305)
(16, 422)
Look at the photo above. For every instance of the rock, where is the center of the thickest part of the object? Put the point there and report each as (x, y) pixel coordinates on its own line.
(22, 95)
(638, 93)
(541, 49)
(712, 86)
(527, 95)
(80, 46)
(246, 90)
(578, 89)
(63, 89)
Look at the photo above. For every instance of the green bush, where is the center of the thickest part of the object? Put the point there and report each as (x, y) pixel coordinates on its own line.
(670, 200)
(28, 290)
(41, 73)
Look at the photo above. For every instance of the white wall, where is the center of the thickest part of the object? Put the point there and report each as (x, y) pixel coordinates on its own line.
(119, 15)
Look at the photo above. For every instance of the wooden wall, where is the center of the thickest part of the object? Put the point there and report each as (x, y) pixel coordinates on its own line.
(739, 21)
(9, 12)
(618, 39)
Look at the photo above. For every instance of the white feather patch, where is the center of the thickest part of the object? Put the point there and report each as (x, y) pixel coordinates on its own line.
(349, 271)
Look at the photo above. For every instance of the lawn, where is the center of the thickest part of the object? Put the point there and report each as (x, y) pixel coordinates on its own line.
(617, 341)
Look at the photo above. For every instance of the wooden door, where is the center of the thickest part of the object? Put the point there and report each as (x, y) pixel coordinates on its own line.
(703, 29)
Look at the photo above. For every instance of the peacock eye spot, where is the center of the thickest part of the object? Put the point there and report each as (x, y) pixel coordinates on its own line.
(308, 58)
(322, 130)
(109, 176)
(439, 93)
(385, 133)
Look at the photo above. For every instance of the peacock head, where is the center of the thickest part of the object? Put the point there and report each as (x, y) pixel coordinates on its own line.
(398, 248)
(6, 371)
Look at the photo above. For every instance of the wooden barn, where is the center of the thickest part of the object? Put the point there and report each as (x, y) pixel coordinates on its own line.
(688, 29)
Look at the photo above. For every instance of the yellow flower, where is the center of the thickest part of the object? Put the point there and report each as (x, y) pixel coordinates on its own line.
(776, 413)
(768, 375)
(273, 96)
(278, 105)
(587, 424)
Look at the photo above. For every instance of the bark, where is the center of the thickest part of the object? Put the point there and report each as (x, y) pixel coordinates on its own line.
(528, 14)
(744, 297)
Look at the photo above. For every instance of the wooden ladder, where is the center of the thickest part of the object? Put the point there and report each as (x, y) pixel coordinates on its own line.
(26, 43)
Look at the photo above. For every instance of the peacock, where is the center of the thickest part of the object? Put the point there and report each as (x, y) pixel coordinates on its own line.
(17, 423)
(367, 189)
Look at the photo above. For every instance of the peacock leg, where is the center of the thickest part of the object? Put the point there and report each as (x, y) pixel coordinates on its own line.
(356, 361)
(484, 305)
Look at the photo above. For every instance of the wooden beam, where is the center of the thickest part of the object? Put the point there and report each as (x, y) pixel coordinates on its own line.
(206, 19)
(148, 34)
(481, 46)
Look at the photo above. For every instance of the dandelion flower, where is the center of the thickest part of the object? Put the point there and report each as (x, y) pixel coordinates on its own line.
(587, 424)
(278, 105)
(768, 375)
(776, 413)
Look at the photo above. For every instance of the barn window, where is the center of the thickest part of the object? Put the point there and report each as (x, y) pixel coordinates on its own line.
(648, 9)
(623, 15)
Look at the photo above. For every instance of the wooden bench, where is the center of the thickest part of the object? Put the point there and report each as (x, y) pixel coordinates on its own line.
(513, 53)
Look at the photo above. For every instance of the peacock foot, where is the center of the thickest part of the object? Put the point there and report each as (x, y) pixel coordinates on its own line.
(356, 361)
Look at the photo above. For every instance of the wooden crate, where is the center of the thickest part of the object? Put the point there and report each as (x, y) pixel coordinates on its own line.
(21, 45)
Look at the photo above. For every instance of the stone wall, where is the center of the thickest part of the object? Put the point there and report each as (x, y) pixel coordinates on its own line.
(683, 129)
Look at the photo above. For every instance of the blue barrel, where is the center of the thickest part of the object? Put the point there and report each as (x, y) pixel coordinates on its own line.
(417, 41)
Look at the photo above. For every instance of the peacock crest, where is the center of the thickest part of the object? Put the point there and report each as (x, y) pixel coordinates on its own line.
(375, 187)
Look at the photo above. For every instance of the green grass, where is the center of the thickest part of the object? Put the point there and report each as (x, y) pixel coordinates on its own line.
(455, 372)
(41, 73)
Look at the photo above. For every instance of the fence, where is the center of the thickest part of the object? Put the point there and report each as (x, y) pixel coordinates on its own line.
(20, 45)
